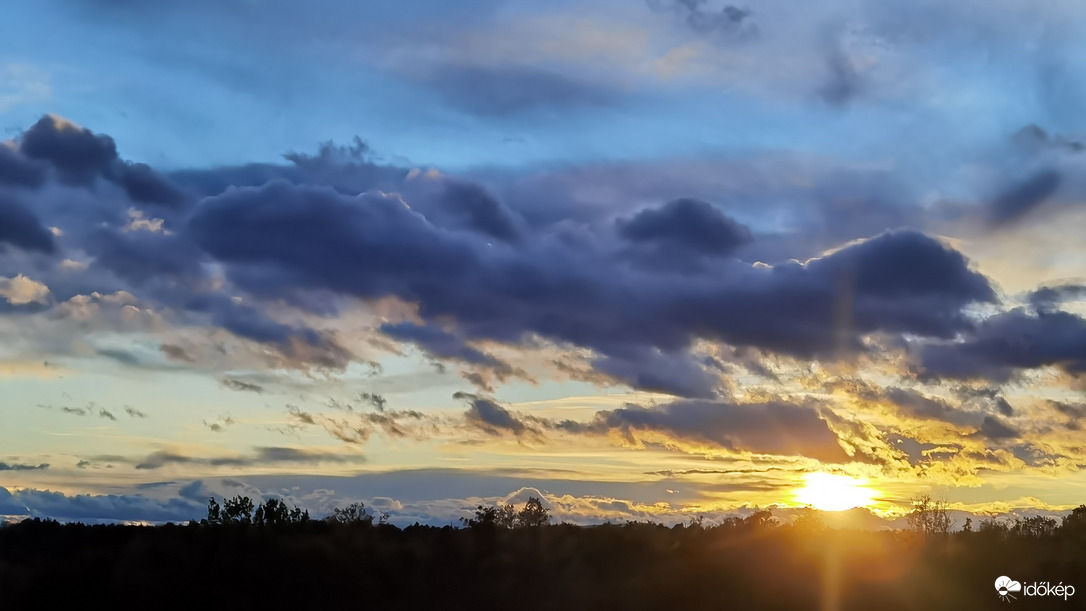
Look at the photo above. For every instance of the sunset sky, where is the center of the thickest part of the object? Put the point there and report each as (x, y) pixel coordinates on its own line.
(646, 259)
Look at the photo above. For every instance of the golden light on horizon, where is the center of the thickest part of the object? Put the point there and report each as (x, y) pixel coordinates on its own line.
(829, 492)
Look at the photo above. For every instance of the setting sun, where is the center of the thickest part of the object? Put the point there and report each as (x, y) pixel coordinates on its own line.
(829, 492)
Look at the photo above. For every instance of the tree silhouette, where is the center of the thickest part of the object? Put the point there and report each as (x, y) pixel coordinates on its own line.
(214, 512)
(238, 510)
(355, 513)
(1035, 526)
(1076, 520)
(929, 517)
(533, 514)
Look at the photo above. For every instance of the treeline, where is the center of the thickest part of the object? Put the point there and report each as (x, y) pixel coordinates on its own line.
(247, 556)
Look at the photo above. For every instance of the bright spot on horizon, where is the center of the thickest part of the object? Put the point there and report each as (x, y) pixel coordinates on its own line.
(829, 492)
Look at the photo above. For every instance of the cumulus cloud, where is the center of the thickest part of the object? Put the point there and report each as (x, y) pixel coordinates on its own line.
(21, 290)
(901, 281)
(80, 156)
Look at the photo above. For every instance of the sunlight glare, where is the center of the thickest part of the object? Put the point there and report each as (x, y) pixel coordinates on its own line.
(829, 492)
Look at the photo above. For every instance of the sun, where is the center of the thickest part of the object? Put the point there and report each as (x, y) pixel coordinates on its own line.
(829, 492)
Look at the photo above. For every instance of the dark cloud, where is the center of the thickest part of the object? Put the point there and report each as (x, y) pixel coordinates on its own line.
(842, 83)
(1075, 412)
(506, 90)
(260, 456)
(470, 205)
(487, 268)
(491, 417)
(687, 225)
(915, 404)
(81, 157)
(146, 186)
(241, 385)
(18, 171)
(917, 452)
(22, 467)
(440, 343)
(1021, 198)
(143, 256)
(220, 425)
(1007, 343)
(572, 290)
(989, 399)
(1049, 297)
(176, 353)
(377, 401)
(90, 508)
(347, 169)
(994, 428)
(1035, 137)
(477, 380)
(770, 428)
(730, 21)
(20, 227)
(679, 374)
(296, 343)
(133, 412)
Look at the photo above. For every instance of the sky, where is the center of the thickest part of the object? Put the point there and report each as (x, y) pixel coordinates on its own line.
(643, 259)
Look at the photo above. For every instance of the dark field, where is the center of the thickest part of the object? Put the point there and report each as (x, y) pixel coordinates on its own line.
(745, 564)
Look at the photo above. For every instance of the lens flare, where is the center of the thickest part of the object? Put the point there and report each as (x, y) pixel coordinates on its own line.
(829, 492)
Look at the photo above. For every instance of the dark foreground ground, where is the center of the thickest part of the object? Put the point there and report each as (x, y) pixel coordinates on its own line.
(636, 566)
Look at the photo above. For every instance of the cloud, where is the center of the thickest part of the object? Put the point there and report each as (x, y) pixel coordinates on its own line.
(22, 467)
(80, 157)
(491, 417)
(993, 428)
(1007, 343)
(377, 401)
(1019, 199)
(440, 343)
(777, 427)
(92, 508)
(176, 353)
(21, 290)
(20, 227)
(686, 225)
(680, 373)
(220, 425)
(1049, 297)
(729, 21)
(501, 90)
(900, 282)
(18, 171)
(471, 206)
(241, 385)
(260, 456)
